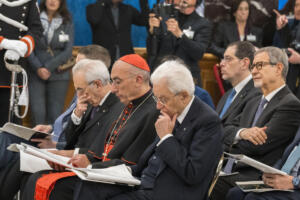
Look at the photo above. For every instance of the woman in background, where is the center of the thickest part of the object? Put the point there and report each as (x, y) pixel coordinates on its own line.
(47, 84)
(239, 28)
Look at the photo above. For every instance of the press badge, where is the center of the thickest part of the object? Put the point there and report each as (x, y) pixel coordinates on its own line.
(63, 37)
(189, 32)
(251, 38)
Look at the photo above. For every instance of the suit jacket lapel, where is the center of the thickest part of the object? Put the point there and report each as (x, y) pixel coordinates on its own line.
(222, 102)
(253, 111)
(272, 104)
(110, 16)
(182, 130)
(111, 99)
(239, 98)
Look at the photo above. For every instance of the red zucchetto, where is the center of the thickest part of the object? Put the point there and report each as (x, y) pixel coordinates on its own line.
(136, 60)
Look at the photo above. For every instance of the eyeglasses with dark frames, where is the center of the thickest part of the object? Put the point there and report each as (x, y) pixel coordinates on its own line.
(259, 65)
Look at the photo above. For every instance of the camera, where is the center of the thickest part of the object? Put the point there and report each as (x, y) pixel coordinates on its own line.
(295, 44)
(165, 11)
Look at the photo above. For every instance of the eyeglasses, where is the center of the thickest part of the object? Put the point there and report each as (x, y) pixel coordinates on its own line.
(82, 90)
(163, 101)
(160, 101)
(259, 65)
(228, 59)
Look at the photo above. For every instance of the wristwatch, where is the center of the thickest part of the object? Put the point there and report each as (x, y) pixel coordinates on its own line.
(296, 182)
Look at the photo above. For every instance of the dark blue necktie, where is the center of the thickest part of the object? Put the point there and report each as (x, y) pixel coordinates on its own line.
(259, 110)
(228, 102)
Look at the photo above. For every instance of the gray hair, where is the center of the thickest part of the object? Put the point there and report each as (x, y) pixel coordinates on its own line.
(177, 75)
(141, 72)
(276, 55)
(93, 70)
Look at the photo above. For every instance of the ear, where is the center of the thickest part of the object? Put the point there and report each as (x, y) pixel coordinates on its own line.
(139, 79)
(246, 63)
(183, 95)
(279, 68)
(98, 83)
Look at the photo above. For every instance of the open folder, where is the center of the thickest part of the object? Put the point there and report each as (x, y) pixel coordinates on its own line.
(256, 164)
(257, 186)
(22, 131)
(34, 159)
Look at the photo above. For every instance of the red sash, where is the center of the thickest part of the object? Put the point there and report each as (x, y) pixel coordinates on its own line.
(45, 184)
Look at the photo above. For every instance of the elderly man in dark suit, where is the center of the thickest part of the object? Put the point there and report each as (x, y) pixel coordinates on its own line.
(268, 123)
(119, 140)
(276, 181)
(184, 156)
(235, 69)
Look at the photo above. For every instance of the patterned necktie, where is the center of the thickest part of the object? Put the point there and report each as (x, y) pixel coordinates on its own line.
(292, 160)
(228, 102)
(259, 110)
(93, 112)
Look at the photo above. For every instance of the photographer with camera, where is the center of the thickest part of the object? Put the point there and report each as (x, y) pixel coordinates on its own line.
(177, 29)
(288, 36)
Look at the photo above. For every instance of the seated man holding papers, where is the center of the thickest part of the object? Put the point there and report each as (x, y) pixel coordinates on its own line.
(123, 140)
(289, 163)
(181, 162)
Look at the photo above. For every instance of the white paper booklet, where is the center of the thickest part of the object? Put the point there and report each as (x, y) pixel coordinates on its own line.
(256, 186)
(34, 159)
(22, 131)
(256, 164)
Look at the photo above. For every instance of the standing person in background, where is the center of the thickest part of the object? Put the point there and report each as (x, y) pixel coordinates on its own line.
(18, 42)
(288, 36)
(48, 86)
(186, 36)
(111, 22)
(239, 28)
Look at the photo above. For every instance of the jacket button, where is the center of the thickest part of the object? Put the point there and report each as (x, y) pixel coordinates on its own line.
(0, 29)
(23, 14)
(22, 22)
(20, 37)
(25, 7)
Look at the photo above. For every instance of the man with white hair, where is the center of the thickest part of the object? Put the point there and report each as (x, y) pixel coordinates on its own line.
(188, 146)
(95, 110)
(122, 140)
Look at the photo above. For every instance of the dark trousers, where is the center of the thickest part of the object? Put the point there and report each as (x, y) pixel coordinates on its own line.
(7, 156)
(101, 191)
(237, 194)
(63, 189)
(225, 183)
(11, 179)
(4, 105)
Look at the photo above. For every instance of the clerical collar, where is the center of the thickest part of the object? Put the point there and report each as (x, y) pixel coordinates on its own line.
(139, 100)
(182, 115)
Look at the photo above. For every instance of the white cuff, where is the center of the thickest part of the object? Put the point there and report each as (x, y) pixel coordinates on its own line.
(76, 120)
(76, 151)
(237, 137)
(164, 138)
(89, 166)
